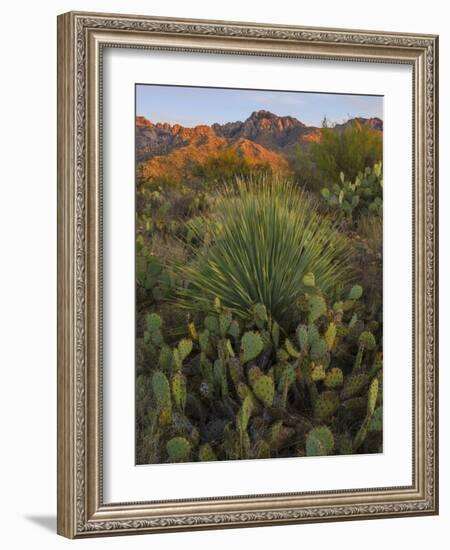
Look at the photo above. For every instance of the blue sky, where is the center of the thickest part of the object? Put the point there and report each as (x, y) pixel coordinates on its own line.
(191, 106)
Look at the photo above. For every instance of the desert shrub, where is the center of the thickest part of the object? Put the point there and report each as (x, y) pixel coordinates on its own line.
(266, 236)
(225, 167)
(232, 390)
(348, 150)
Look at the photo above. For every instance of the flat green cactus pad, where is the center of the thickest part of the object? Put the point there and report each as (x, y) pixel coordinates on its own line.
(206, 453)
(153, 322)
(161, 389)
(178, 449)
(355, 292)
(252, 345)
(326, 405)
(354, 385)
(179, 390)
(264, 389)
(319, 442)
(184, 348)
(367, 339)
(334, 378)
(372, 395)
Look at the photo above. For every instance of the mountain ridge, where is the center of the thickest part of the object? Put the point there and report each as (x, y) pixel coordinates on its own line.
(262, 138)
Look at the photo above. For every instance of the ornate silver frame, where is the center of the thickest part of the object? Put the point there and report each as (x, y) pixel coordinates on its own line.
(81, 38)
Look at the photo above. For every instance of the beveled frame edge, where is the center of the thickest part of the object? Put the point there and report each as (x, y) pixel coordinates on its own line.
(80, 508)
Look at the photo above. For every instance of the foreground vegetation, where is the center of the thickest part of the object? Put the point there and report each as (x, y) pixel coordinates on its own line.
(259, 309)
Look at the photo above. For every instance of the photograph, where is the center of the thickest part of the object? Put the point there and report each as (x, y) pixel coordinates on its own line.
(258, 274)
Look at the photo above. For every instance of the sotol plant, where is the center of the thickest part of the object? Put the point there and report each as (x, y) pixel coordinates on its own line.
(267, 235)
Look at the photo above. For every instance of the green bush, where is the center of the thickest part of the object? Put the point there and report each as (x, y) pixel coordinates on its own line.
(225, 167)
(266, 237)
(348, 150)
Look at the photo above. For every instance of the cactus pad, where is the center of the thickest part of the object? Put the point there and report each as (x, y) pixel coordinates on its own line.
(161, 389)
(234, 329)
(253, 374)
(355, 404)
(157, 337)
(290, 349)
(166, 360)
(372, 395)
(317, 307)
(236, 370)
(203, 340)
(354, 385)
(244, 414)
(260, 314)
(282, 355)
(309, 280)
(178, 449)
(192, 331)
(355, 292)
(252, 346)
(261, 449)
(153, 322)
(330, 336)
(184, 348)
(287, 377)
(212, 324)
(179, 390)
(224, 322)
(264, 389)
(302, 338)
(206, 453)
(326, 405)
(334, 378)
(318, 373)
(318, 348)
(367, 339)
(319, 442)
(165, 416)
(376, 422)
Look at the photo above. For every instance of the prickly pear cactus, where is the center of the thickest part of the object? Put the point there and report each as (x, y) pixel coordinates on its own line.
(153, 322)
(334, 378)
(258, 390)
(184, 348)
(264, 389)
(302, 338)
(330, 336)
(225, 320)
(206, 453)
(372, 395)
(319, 442)
(367, 339)
(326, 405)
(179, 390)
(355, 292)
(317, 307)
(166, 359)
(354, 385)
(161, 389)
(318, 373)
(178, 449)
(252, 345)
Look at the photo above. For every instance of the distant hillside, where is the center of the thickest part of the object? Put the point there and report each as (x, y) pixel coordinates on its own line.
(262, 139)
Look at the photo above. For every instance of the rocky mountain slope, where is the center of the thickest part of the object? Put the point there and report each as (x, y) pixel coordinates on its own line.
(262, 139)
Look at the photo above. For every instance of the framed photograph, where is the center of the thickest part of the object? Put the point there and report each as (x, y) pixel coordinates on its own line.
(247, 286)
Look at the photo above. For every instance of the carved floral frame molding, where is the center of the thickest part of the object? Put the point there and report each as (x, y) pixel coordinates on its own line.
(81, 39)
